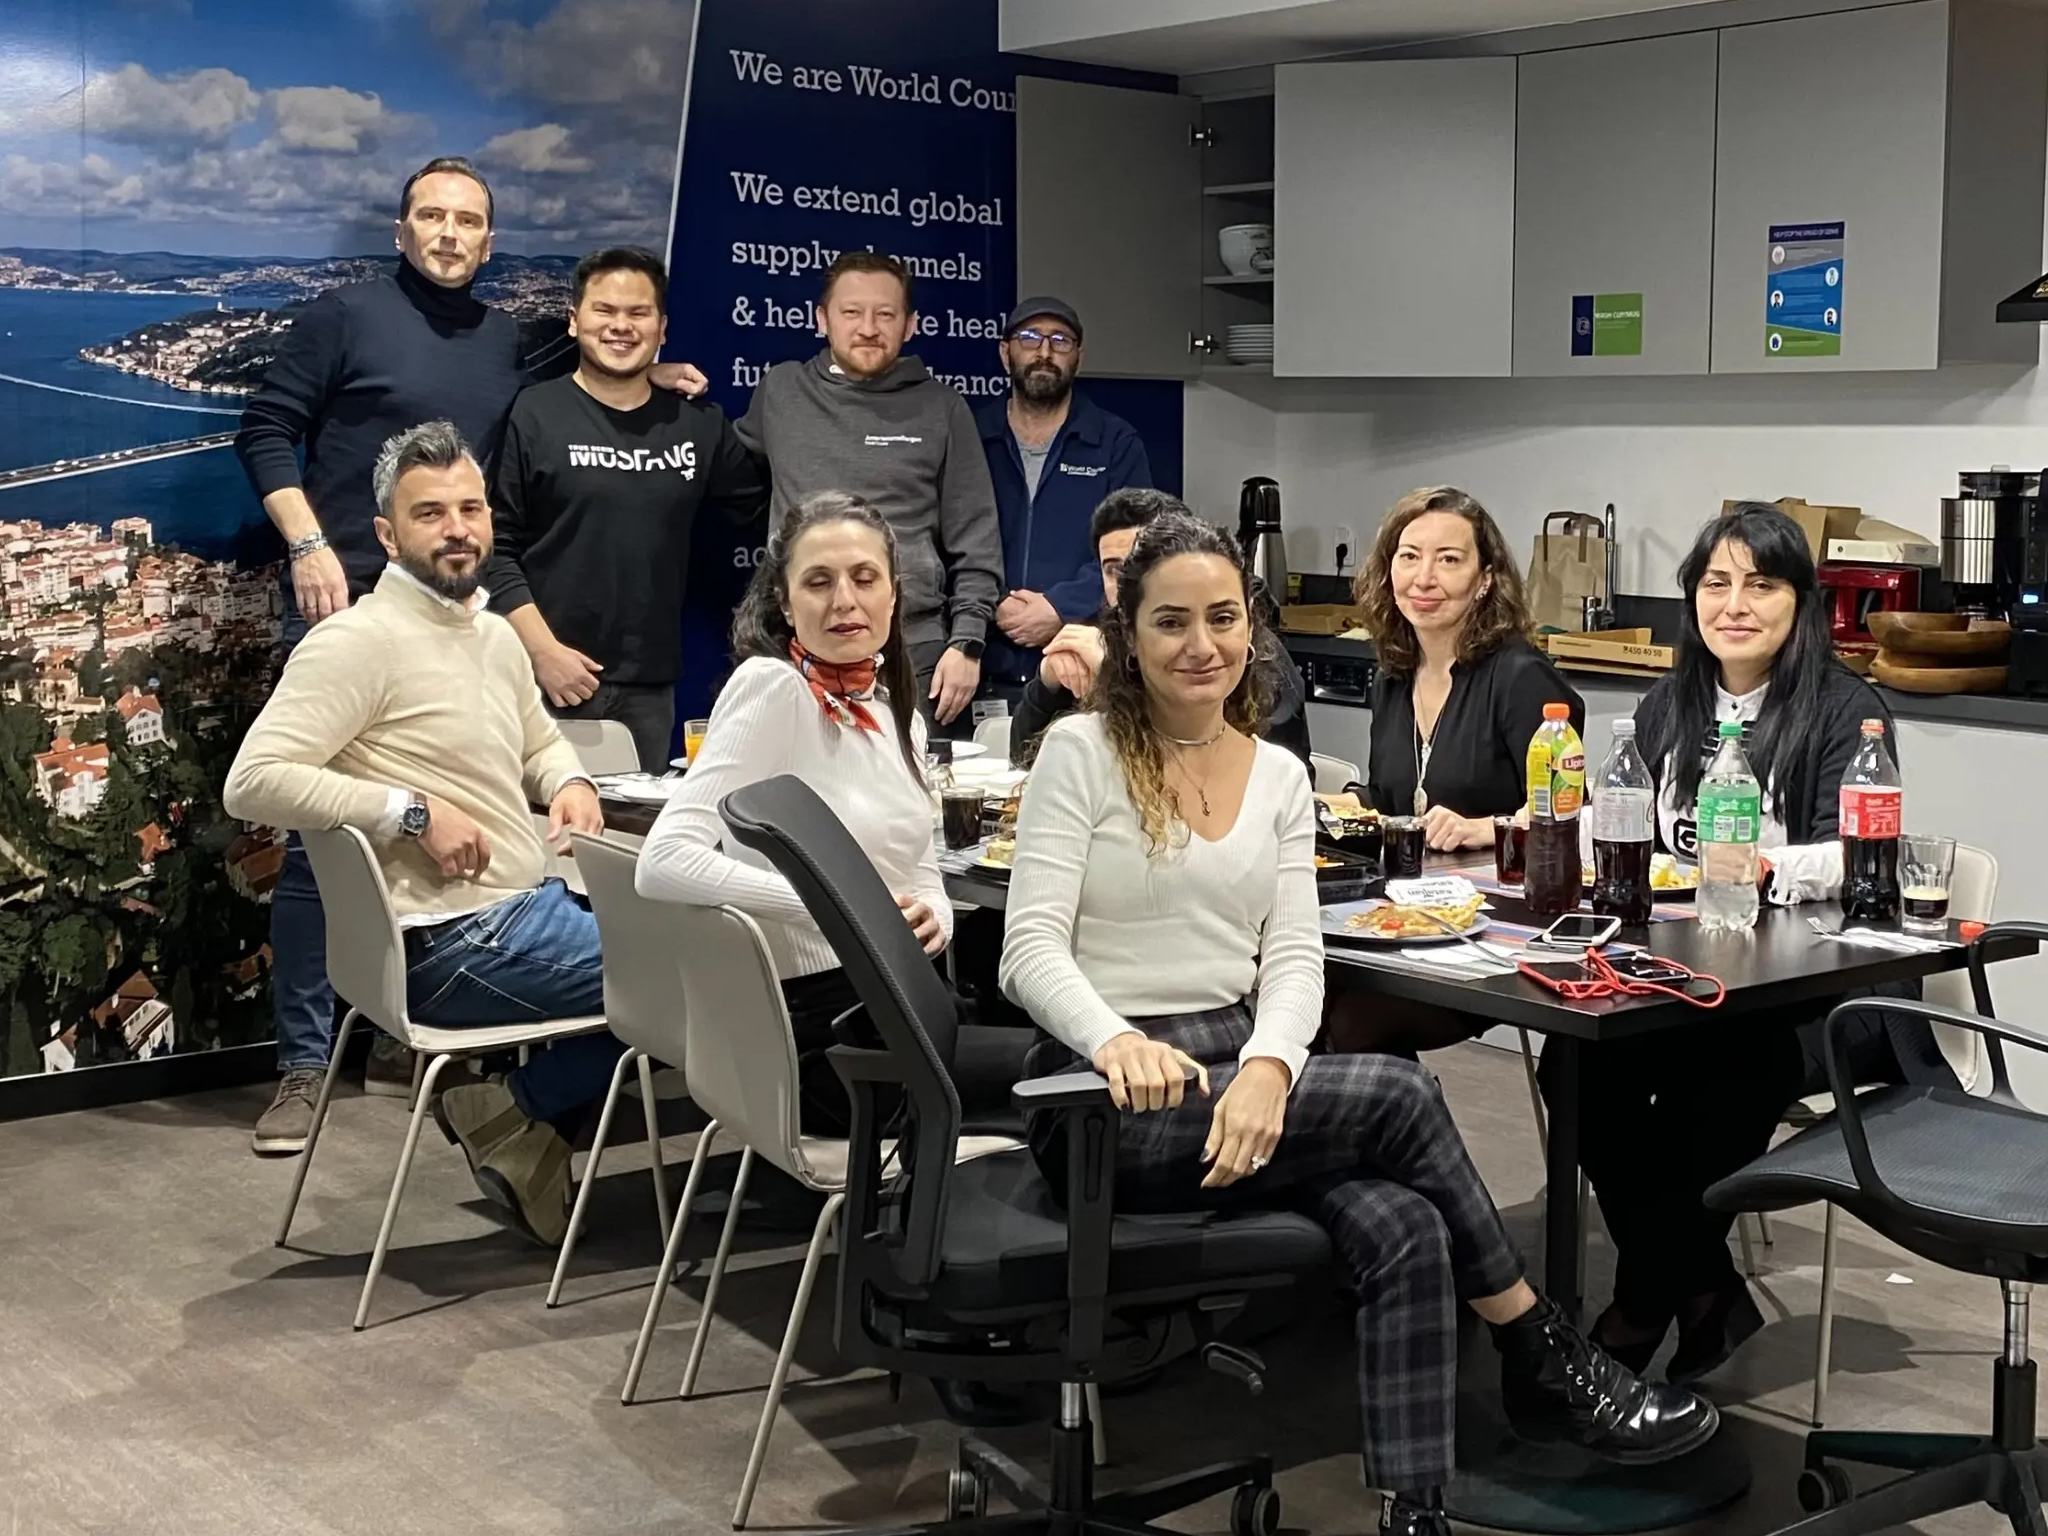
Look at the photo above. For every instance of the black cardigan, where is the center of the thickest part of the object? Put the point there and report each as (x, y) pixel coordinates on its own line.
(1478, 762)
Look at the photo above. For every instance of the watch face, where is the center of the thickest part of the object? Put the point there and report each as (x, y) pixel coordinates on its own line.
(414, 820)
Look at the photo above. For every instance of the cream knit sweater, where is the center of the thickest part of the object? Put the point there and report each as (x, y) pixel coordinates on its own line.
(408, 691)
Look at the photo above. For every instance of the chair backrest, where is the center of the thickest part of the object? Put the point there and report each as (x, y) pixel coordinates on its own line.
(602, 746)
(994, 733)
(1972, 893)
(365, 954)
(910, 1007)
(643, 974)
(1331, 773)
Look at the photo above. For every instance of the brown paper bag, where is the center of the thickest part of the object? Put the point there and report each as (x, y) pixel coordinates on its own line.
(1567, 567)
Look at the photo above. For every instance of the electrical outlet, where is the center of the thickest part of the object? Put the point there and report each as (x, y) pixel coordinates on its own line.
(1342, 535)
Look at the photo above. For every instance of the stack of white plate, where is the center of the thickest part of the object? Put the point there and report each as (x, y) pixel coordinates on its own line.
(1249, 343)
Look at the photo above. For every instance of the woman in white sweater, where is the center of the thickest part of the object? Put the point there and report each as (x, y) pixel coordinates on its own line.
(825, 691)
(1162, 923)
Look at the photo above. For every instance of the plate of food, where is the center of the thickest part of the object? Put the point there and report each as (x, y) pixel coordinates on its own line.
(1669, 879)
(998, 854)
(1389, 923)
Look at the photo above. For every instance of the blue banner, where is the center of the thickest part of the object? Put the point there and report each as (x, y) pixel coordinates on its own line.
(813, 129)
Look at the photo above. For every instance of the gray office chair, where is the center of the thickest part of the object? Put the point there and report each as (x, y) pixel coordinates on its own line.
(643, 1004)
(602, 746)
(366, 967)
(984, 1270)
(1962, 1182)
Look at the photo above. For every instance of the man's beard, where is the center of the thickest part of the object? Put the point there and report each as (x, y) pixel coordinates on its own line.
(1042, 383)
(457, 589)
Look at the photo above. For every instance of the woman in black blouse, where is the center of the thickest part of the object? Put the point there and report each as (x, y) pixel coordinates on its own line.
(1460, 689)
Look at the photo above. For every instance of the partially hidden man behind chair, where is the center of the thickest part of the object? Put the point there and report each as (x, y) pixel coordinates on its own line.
(1070, 664)
(863, 418)
(413, 717)
(1666, 1116)
(598, 487)
(1053, 454)
(1162, 919)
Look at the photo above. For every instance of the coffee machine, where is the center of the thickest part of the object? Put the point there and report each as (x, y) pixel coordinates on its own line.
(1260, 537)
(1987, 529)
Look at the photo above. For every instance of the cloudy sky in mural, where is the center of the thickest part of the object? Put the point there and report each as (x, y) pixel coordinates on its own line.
(250, 127)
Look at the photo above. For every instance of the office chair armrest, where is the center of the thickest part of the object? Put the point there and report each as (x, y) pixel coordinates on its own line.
(1850, 1107)
(1064, 1090)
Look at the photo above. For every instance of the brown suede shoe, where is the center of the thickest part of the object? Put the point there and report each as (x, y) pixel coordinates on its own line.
(520, 1165)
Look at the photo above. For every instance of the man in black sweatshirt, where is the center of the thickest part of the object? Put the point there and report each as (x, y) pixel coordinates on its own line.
(599, 481)
(362, 363)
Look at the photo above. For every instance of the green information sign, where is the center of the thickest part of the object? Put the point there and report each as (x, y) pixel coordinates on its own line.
(1607, 325)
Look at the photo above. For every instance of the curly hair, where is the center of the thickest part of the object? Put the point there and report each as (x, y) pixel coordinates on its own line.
(1500, 614)
(761, 627)
(1119, 695)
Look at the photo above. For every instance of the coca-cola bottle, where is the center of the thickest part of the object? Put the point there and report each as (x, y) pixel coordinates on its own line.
(1624, 822)
(1872, 811)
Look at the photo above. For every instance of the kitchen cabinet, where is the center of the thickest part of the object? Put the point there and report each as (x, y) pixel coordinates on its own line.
(1614, 202)
(1394, 212)
(1919, 130)
(1121, 195)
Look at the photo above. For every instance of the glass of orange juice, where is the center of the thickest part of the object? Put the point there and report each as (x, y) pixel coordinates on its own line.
(693, 737)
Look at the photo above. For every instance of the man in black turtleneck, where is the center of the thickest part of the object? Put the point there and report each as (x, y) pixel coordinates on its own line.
(360, 364)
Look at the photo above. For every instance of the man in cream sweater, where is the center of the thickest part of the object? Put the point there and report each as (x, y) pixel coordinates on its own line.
(414, 717)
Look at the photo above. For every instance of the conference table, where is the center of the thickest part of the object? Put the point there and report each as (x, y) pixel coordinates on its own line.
(1782, 962)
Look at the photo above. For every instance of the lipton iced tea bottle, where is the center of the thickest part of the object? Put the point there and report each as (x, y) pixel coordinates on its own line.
(1557, 790)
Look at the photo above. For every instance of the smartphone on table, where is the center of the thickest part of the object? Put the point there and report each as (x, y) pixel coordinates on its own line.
(1577, 931)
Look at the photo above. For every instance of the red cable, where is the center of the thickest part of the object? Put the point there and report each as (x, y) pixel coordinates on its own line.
(1603, 980)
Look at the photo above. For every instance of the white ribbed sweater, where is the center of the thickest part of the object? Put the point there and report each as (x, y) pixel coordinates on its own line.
(766, 722)
(1099, 934)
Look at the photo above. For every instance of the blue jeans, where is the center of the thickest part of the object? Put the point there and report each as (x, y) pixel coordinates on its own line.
(301, 1002)
(530, 958)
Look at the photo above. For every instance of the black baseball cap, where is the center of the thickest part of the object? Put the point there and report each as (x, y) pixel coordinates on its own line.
(1031, 309)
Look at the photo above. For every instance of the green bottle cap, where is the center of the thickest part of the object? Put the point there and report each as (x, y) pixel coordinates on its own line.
(1730, 728)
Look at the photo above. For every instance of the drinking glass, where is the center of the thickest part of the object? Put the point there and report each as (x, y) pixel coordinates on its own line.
(1510, 843)
(960, 814)
(693, 737)
(1925, 866)
(1404, 845)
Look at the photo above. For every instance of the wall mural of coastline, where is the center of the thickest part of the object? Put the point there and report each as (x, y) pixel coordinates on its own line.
(177, 177)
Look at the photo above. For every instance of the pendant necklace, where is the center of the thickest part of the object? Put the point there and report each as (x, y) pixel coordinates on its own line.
(1201, 790)
(1422, 751)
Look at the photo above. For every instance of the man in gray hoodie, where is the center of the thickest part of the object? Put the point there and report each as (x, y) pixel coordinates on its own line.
(862, 417)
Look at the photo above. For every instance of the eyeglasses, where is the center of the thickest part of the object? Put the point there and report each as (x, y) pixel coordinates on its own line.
(1113, 570)
(1031, 339)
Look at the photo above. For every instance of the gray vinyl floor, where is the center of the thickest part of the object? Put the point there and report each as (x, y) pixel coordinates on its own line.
(164, 1368)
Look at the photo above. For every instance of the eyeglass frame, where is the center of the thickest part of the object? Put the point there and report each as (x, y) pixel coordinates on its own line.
(1032, 338)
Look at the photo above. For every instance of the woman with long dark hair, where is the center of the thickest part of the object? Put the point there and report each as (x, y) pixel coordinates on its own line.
(1162, 920)
(1461, 686)
(1663, 1117)
(824, 690)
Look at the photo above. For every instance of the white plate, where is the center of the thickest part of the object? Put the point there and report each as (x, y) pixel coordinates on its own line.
(963, 750)
(643, 789)
(1333, 921)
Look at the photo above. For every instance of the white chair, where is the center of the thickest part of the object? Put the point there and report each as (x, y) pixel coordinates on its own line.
(366, 966)
(643, 1006)
(994, 734)
(1972, 893)
(741, 1064)
(603, 746)
(1332, 773)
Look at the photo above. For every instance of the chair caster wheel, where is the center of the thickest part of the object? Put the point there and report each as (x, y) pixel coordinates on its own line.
(1255, 1511)
(966, 1495)
(1824, 1487)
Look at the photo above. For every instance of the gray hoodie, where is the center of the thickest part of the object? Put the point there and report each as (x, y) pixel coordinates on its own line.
(907, 443)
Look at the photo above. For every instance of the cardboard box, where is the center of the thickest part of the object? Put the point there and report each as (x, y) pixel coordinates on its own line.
(1611, 650)
(1320, 618)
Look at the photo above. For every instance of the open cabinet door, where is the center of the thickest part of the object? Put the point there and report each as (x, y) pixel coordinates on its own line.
(1109, 218)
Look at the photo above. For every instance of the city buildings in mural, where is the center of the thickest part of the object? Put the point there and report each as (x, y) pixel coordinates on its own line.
(173, 187)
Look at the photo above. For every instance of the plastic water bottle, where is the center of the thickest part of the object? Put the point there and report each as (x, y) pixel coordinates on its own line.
(1624, 825)
(1730, 814)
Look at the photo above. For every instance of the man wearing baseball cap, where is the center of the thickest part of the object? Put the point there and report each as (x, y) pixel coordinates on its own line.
(1053, 455)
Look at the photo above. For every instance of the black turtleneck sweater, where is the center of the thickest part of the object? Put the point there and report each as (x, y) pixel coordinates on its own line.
(367, 360)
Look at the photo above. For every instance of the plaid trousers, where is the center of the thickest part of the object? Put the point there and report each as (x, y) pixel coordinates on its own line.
(1369, 1150)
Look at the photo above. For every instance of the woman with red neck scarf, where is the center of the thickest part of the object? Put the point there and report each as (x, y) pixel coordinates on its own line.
(825, 691)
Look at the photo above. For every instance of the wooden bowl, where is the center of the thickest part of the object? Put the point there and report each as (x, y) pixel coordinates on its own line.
(1941, 634)
(1949, 679)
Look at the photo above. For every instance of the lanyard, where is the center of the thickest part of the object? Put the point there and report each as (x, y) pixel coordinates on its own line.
(1603, 980)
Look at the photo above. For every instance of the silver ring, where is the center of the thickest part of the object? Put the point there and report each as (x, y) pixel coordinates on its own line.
(1258, 1163)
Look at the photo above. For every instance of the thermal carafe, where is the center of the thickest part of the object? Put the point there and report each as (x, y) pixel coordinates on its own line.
(1260, 536)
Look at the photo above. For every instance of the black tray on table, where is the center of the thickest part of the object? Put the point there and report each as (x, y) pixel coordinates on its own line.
(1351, 876)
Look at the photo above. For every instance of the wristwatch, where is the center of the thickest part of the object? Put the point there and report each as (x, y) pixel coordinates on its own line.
(413, 820)
(971, 649)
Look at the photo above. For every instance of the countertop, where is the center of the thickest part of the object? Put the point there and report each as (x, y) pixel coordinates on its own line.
(2002, 711)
